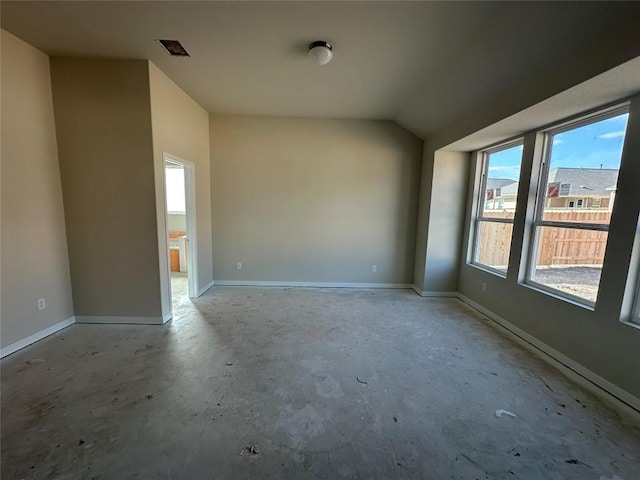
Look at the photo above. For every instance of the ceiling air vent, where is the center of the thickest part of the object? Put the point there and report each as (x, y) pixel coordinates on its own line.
(174, 48)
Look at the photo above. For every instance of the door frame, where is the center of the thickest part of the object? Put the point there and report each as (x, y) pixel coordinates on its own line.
(190, 214)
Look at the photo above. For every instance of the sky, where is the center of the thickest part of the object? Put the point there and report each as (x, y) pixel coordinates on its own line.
(592, 146)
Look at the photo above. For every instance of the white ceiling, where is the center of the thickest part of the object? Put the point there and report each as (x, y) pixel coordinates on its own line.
(423, 64)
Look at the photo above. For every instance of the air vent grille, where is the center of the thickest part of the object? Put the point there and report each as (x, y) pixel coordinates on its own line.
(174, 48)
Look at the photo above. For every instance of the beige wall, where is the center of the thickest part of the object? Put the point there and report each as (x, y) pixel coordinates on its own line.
(34, 245)
(304, 200)
(440, 226)
(181, 128)
(103, 120)
(448, 204)
(424, 209)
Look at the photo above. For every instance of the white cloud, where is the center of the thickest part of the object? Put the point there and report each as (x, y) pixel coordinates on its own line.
(501, 168)
(610, 135)
(557, 141)
(504, 171)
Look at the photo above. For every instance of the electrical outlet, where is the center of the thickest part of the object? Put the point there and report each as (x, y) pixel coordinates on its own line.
(484, 287)
(41, 303)
(239, 266)
(374, 268)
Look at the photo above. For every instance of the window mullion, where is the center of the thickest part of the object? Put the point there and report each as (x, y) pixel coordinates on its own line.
(495, 219)
(580, 226)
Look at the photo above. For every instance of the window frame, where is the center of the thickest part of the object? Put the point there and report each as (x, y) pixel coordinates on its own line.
(635, 309)
(479, 210)
(538, 222)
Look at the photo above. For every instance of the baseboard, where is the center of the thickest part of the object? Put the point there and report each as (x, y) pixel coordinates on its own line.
(252, 283)
(427, 293)
(108, 319)
(204, 289)
(25, 342)
(166, 317)
(609, 392)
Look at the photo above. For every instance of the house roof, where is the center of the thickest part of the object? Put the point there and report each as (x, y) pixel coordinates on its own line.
(493, 183)
(511, 189)
(584, 182)
(576, 182)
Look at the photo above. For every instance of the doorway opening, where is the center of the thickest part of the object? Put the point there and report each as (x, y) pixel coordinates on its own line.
(180, 221)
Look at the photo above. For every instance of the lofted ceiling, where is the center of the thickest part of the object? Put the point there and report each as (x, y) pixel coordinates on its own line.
(422, 64)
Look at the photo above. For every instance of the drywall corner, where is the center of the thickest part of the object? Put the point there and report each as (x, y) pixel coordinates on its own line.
(103, 123)
(33, 240)
(443, 189)
(446, 220)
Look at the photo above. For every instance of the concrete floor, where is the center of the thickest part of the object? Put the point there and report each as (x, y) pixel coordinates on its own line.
(327, 383)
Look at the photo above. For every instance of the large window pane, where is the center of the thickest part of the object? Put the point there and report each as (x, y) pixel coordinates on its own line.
(493, 243)
(175, 190)
(583, 171)
(570, 260)
(501, 185)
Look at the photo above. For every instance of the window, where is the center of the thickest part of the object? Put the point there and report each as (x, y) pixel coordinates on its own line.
(493, 221)
(581, 162)
(174, 185)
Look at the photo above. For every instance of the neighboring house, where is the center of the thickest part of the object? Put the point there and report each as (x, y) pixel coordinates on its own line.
(495, 194)
(592, 188)
(583, 187)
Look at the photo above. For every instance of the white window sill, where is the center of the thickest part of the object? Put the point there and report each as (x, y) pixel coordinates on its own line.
(486, 269)
(553, 293)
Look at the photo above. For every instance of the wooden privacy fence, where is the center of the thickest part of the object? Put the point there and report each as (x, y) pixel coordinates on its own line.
(556, 246)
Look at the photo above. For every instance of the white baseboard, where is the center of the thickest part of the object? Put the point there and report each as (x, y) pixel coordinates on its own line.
(25, 342)
(108, 319)
(427, 293)
(253, 283)
(166, 317)
(621, 399)
(204, 289)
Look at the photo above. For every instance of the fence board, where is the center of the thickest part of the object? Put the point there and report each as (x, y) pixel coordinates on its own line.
(556, 246)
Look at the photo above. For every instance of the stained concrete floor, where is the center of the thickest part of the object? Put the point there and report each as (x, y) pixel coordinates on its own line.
(327, 383)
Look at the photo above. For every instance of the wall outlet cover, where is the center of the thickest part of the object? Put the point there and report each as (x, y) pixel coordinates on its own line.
(41, 303)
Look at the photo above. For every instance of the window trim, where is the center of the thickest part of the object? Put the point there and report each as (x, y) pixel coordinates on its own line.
(541, 191)
(478, 211)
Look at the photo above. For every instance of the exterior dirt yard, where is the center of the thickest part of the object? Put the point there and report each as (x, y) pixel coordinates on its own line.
(579, 281)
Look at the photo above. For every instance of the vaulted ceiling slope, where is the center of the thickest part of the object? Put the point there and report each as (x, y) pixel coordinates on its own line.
(426, 65)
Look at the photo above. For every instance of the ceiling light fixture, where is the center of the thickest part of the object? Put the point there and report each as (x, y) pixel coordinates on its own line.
(320, 52)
